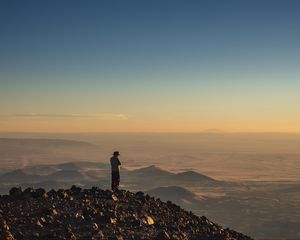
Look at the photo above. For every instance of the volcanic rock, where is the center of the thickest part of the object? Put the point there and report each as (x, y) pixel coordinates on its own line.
(97, 214)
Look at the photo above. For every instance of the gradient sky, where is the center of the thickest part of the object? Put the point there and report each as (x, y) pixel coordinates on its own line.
(150, 66)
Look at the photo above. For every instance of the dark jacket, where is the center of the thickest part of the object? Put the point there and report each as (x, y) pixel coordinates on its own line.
(115, 164)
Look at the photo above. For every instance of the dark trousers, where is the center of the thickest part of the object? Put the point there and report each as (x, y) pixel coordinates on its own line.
(115, 180)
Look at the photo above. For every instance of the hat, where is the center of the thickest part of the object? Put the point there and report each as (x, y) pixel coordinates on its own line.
(116, 153)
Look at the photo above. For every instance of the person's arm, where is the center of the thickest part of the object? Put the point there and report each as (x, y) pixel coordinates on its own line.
(119, 162)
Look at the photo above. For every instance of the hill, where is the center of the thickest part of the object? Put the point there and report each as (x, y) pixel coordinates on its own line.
(66, 175)
(192, 176)
(151, 171)
(18, 176)
(179, 195)
(97, 214)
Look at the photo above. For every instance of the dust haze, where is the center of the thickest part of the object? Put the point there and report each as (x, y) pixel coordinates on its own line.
(243, 156)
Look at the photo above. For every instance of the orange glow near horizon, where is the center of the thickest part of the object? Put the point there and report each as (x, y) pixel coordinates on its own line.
(131, 125)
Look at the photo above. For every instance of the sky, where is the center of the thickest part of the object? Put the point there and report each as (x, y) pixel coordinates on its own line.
(150, 66)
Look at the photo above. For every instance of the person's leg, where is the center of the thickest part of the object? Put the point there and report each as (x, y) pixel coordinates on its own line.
(113, 181)
(117, 179)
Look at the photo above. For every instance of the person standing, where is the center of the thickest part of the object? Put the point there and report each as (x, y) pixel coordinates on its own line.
(115, 171)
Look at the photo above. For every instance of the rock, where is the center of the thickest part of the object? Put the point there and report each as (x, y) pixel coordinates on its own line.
(53, 212)
(149, 220)
(118, 237)
(79, 216)
(5, 233)
(95, 226)
(39, 224)
(163, 235)
(113, 220)
(15, 192)
(97, 214)
(98, 236)
(75, 190)
(114, 197)
(139, 194)
(40, 192)
(28, 193)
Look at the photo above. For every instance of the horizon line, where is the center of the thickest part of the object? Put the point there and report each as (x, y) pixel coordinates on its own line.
(153, 132)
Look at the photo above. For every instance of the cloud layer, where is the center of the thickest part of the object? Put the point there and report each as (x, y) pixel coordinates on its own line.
(102, 116)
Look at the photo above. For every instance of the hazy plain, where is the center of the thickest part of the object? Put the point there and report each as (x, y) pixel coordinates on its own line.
(239, 156)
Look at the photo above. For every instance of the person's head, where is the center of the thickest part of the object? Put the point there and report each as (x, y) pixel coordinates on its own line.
(116, 154)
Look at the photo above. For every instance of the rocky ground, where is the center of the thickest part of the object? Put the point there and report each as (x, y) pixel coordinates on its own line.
(97, 214)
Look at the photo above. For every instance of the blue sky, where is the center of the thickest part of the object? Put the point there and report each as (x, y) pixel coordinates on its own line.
(198, 61)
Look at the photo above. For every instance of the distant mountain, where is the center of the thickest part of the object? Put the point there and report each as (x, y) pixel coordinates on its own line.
(69, 166)
(151, 171)
(191, 176)
(79, 172)
(66, 176)
(179, 195)
(93, 165)
(19, 176)
(57, 175)
(97, 174)
(40, 169)
(153, 176)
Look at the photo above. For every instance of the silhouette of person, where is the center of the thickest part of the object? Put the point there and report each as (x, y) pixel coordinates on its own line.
(115, 171)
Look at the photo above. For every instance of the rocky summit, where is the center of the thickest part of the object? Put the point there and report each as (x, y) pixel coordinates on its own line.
(100, 214)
